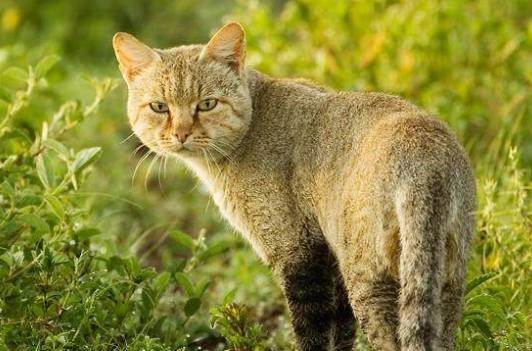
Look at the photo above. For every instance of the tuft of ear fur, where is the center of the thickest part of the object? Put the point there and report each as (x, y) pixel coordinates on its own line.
(227, 45)
(132, 54)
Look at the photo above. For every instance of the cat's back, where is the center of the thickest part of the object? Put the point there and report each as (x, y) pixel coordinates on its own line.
(308, 108)
(325, 132)
(363, 148)
(371, 138)
(327, 127)
(371, 130)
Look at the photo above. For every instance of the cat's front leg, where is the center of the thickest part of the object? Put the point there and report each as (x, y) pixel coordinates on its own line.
(345, 323)
(308, 280)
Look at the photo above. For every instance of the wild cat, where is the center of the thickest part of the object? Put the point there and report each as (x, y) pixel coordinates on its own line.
(361, 203)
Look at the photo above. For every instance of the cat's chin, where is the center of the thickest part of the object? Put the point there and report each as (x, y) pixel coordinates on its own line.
(186, 151)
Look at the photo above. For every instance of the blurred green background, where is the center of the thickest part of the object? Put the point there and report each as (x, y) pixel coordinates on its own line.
(469, 62)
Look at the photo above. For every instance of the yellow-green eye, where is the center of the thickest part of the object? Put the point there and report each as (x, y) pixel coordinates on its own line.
(159, 107)
(207, 104)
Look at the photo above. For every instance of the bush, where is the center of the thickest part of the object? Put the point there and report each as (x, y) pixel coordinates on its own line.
(61, 289)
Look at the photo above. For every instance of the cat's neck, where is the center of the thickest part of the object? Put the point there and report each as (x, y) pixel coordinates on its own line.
(257, 81)
(209, 172)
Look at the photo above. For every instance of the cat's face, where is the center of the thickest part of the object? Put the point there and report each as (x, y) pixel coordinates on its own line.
(190, 101)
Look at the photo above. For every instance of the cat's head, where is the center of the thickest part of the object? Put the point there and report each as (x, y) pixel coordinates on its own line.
(191, 100)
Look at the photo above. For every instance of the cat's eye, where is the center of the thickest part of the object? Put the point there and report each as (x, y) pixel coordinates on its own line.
(159, 107)
(207, 104)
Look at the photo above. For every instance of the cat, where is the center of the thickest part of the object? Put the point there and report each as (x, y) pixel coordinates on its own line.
(361, 203)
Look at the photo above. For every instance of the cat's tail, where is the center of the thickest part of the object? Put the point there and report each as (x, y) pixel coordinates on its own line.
(423, 210)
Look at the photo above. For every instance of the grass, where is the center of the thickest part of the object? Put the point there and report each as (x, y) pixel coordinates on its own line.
(91, 259)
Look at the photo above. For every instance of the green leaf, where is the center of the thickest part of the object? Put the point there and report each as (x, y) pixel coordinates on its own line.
(85, 157)
(5, 95)
(116, 263)
(36, 222)
(487, 303)
(58, 147)
(86, 233)
(479, 280)
(483, 327)
(161, 282)
(9, 228)
(147, 300)
(133, 267)
(192, 306)
(472, 313)
(45, 65)
(18, 133)
(55, 205)
(41, 171)
(229, 297)
(16, 74)
(202, 287)
(13, 259)
(28, 199)
(8, 189)
(215, 249)
(182, 239)
(185, 283)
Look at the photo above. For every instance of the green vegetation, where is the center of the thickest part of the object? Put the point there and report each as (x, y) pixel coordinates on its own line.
(92, 258)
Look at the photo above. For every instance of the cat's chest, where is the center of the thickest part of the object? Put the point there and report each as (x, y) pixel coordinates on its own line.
(235, 207)
(232, 193)
(230, 204)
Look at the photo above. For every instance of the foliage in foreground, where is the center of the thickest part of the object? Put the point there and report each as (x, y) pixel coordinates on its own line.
(59, 289)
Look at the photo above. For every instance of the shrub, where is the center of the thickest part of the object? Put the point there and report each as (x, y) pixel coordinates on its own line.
(62, 289)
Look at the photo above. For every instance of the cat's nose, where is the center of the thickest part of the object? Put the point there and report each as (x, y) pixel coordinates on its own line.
(182, 134)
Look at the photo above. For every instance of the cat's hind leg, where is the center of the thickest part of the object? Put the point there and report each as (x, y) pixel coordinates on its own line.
(374, 300)
(452, 296)
(422, 212)
(454, 286)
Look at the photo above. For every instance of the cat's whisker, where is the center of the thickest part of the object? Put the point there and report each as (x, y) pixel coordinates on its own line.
(137, 149)
(224, 154)
(207, 163)
(218, 150)
(214, 161)
(217, 164)
(165, 164)
(159, 171)
(142, 159)
(229, 148)
(198, 181)
(127, 138)
(195, 185)
(147, 175)
(208, 158)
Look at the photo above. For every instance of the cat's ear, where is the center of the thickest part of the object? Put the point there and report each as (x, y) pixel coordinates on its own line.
(227, 45)
(132, 55)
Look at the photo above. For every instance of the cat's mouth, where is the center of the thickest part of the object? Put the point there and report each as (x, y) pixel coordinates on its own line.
(194, 145)
(185, 148)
